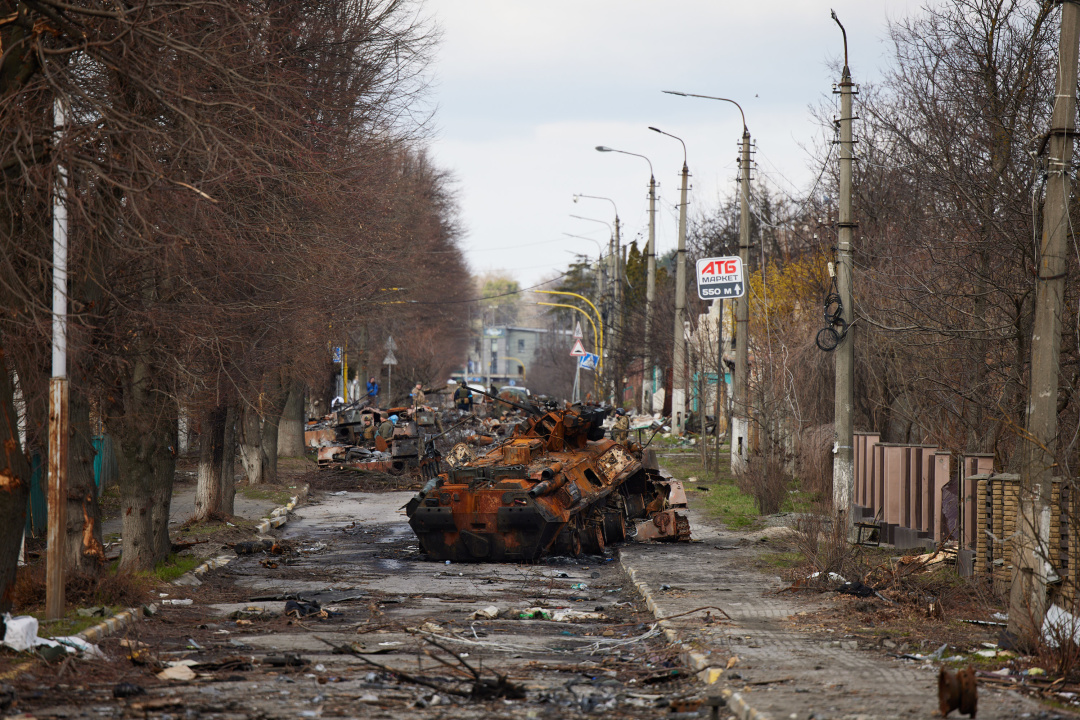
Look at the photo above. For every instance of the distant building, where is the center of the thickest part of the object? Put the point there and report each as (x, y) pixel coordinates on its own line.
(505, 355)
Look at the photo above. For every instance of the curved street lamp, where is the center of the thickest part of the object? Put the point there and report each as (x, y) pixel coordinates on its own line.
(648, 372)
(740, 408)
(678, 362)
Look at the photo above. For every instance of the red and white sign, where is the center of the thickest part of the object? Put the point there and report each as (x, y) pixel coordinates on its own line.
(578, 350)
(720, 278)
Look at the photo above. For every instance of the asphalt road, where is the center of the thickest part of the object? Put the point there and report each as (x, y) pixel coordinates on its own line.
(355, 555)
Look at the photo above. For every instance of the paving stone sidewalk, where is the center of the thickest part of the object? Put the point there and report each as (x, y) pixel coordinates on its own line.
(782, 671)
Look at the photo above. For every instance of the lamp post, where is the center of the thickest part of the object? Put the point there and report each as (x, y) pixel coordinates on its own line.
(599, 261)
(648, 372)
(613, 297)
(678, 361)
(740, 414)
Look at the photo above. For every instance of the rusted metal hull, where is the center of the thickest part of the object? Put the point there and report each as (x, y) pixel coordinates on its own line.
(556, 487)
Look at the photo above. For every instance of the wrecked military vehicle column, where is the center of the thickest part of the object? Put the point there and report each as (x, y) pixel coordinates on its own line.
(556, 485)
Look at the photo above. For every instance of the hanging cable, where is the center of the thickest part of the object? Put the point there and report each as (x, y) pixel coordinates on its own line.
(833, 313)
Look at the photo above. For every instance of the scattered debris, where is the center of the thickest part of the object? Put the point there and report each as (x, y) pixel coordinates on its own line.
(479, 687)
(177, 672)
(127, 690)
(300, 609)
(556, 485)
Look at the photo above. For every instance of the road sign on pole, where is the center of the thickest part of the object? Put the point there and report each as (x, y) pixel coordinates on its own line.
(577, 331)
(390, 359)
(390, 344)
(337, 354)
(720, 278)
(588, 361)
(578, 349)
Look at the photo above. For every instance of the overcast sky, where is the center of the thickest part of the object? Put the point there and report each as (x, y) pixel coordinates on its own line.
(526, 90)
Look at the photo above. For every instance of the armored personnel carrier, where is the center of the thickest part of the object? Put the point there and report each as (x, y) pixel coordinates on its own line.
(557, 485)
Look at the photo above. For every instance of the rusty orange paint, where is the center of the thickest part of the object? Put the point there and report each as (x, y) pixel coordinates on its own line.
(556, 485)
(9, 481)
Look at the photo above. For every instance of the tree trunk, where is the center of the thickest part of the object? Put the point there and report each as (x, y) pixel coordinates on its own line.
(146, 431)
(273, 402)
(291, 428)
(251, 452)
(228, 461)
(270, 447)
(210, 489)
(14, 488)
(84, 549)
(163, 464)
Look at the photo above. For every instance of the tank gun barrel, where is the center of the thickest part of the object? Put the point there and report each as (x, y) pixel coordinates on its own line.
(527, 408)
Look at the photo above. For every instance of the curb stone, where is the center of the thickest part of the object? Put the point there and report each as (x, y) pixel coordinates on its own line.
(117, 622)
(130, 616)
(278, 517)
(736, 703)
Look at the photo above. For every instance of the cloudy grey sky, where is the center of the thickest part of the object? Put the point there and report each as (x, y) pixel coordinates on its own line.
(526, 89)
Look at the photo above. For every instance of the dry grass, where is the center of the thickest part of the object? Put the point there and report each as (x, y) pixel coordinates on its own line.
(80, 589)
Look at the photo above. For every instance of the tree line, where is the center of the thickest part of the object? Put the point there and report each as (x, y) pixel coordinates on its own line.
(246, 183)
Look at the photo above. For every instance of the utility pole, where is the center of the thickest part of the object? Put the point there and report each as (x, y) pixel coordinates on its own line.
(617, 312)
(843, 412)
(740, 410)
(58, 393)
(648, 373)
(650, 282)
(678, 355)
(1027, 600)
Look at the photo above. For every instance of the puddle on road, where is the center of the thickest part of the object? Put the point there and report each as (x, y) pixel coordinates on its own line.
(388, 564)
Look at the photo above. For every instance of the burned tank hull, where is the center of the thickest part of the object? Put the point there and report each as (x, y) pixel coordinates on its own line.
(556, 486)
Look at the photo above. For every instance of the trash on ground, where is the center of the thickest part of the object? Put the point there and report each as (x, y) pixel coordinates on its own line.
(92, 611)
(300, 609)
(1060, 624)
(286, 660)
(251, 547)
(21, 634)
(833, 577)
(126, 690)
(489, 613)
(568, 615)
(856, 588)
(177, 672)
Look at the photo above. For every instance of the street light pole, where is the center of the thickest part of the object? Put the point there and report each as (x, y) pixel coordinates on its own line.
(58, 392)
(740, 415)
(648, 374)
(678, 360)
(599, 261)
(615, 301)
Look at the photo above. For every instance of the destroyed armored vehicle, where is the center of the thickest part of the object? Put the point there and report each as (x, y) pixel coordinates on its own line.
(557, 485)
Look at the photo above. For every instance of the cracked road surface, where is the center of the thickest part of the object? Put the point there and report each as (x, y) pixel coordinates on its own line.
(355, 554)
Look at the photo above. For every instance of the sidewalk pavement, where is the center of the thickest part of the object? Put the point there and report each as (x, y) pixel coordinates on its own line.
(182, 508)
(781, 671)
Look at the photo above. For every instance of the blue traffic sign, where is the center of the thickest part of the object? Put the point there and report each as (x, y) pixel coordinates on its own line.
(588, 361)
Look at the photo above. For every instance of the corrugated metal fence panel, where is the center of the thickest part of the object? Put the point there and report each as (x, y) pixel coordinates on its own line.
(37, 510)
(105, 467)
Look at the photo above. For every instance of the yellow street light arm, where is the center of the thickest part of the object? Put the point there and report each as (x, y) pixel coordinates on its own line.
(599, 320)
(598, 346)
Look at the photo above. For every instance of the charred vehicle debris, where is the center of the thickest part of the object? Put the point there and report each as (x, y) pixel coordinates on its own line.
(514, 486)
(556, 485)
